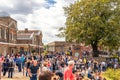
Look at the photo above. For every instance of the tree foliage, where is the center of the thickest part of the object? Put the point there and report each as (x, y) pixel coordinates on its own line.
(95, 22)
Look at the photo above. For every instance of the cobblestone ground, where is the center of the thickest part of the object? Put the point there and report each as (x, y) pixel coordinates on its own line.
(16, 76)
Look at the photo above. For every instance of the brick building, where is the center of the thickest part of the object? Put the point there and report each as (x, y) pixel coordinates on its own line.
(13, 40)
(63, 46)
(59, 46)
(8, 33)
(30, 40)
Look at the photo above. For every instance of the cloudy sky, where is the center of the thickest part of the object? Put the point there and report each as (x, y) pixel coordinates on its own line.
(44, 15)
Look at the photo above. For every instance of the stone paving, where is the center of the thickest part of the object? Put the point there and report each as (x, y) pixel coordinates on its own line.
(16, 76)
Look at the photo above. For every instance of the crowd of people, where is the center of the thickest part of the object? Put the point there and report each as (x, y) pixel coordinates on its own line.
(56, 67)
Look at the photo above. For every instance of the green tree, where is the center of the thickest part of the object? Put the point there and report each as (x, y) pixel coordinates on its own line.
(93, 22)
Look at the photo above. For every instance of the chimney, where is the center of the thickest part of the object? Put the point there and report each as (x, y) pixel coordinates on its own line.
(26, 30)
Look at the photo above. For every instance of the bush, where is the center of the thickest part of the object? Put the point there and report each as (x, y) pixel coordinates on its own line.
(112, 74)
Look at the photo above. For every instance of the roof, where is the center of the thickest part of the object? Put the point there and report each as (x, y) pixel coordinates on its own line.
(8, 22)
(27, 34)
(56, 42)
(3, 24)
(60, 43)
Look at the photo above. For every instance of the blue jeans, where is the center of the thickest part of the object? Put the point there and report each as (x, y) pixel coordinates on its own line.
(19, 68)
(10, 72)
(34, 77)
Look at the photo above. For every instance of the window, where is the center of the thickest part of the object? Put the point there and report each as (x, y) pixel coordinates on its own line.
(32, 40)
(12, 36)
(0, 33)
(5, 34)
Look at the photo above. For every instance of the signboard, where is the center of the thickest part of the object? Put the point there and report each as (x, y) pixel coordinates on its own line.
(77, 54)
(77, 51)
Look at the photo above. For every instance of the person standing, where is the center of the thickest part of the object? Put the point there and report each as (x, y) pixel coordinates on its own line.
(28, 63)
(45, 67)
(5, 67)
(33, 70)
(1, 61)
(68, 75)
(18, 63)
(10, 68)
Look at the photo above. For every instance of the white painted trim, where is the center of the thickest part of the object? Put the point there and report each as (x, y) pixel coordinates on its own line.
(4, 43)
(24, 39)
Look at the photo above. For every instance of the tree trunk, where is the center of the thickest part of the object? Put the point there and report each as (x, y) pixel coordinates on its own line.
(95, 49)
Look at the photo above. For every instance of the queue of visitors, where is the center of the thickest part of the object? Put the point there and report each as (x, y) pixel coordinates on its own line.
(56, 67)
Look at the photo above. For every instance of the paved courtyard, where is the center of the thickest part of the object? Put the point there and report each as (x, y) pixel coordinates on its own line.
(16, 76)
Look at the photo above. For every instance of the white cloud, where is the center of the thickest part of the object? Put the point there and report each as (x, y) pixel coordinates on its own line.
(48, 20)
